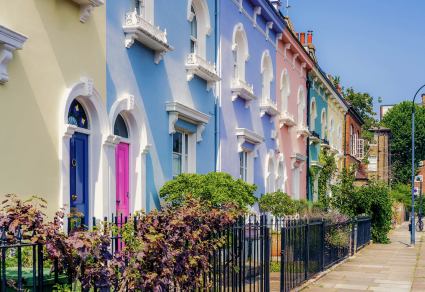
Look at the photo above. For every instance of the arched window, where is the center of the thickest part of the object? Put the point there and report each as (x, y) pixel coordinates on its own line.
(313, 114)
(323, 122)
(280, 178)
(267, 75)
(284, 90)
(77, 115)
(120, 127)
(240, 50)
(199, 18)
(301, 106)
(270, 175)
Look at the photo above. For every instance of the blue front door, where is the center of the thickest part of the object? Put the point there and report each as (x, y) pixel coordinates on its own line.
(79, 177)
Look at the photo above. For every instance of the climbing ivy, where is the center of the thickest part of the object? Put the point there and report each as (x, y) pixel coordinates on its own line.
(326, 174)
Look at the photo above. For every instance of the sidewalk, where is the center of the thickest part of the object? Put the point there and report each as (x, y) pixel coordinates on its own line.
(390, 267)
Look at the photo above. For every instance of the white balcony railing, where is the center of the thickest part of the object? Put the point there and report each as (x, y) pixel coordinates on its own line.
(196, 65)
(242, 90)
(138, 28)
(267, 106)
(286, 119)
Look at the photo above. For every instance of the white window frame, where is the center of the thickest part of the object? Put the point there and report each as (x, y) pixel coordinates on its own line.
(270, 174)
(203, 24)
(301, 107)
(188, 160)
(285, 90)
(281, 175)
(313, 113)
(146, 10)
(241, 52)
(296, 183)
(266, 75)
(323, 121)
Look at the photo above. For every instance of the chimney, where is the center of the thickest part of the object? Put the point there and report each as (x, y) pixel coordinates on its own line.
(310, 37)
(302, 38)
(423, 100)
(276, 3)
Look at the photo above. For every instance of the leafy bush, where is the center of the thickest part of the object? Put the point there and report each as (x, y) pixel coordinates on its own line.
(277, 203)
(215, 188)
(171, 246)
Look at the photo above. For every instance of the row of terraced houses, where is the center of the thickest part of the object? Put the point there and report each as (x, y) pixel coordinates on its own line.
(102, 103)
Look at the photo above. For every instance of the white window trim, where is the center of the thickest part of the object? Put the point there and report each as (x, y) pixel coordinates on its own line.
(191, 151)
(266, 75)
(204, 23)
(245, 135)
(270, 174)
(313, 113)
(241, 50)
(281, 177)
(9, 42)
(178, 111)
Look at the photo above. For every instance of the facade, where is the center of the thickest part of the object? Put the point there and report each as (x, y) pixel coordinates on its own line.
(293, 64)
(379, 166)
(354, 144)
(248, 107)
(52, 149)
(161, 79)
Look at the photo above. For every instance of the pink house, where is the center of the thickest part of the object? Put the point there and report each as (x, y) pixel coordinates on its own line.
(293, 63)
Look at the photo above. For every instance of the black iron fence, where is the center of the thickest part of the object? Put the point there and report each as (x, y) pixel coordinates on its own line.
(254, 248)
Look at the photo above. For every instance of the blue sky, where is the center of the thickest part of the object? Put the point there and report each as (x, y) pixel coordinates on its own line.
(376, 46)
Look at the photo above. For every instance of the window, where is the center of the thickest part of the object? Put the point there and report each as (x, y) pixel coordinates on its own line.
(323, 120)
(240, 52)
(180, 153)
(243, 162)
(373, 163)
(193, 32)
(284, 91)
(145, 9)
(331, 131)
(301, 106)
(270, 176)
(296, 183)
(77, 115)
(352, 141)
(280, 179)
(267, 75)
(120, 127)
(313, 114)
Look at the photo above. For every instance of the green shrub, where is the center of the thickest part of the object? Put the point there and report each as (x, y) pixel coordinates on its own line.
(277, 203)
(216, 188)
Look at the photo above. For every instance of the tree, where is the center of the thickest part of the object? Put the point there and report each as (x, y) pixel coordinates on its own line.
(398, 119)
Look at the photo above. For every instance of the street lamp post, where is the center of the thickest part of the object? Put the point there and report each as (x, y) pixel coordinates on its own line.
(412, 216)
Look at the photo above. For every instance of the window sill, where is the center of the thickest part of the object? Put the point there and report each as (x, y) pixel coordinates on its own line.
(195, 65)
(267, 106)
(242, 90)
(286, 119)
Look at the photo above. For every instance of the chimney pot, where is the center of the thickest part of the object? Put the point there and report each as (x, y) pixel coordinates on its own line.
(302, 38)
(310, 37)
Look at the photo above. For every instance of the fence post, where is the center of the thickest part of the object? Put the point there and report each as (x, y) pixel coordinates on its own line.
(282, 256)
(267, 255)
(356, 227)
(322, 245)
(306, 249)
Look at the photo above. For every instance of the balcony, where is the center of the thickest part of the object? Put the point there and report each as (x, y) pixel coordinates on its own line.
(267, 106)
(242, 90)
(302, 131)
(286, 119)
(195, 65)
(314, 137)
(86, 8)
(137, 28)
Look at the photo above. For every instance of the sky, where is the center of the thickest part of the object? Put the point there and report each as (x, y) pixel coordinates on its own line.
(375, 46)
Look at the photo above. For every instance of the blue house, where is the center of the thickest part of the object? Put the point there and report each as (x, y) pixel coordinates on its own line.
(248, 149)
(161, 84)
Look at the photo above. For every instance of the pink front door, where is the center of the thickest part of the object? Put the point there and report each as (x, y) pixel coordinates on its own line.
(122, 179)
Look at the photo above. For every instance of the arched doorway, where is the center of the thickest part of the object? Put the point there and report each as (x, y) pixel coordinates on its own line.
(122, 153)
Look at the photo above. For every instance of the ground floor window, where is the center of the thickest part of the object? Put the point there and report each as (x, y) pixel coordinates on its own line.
(180, 153)
(243, 162)
(296, 183)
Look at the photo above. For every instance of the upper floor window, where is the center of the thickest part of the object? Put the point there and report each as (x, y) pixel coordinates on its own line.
(145, 8)
(240, 52)
(267, 75)
(199, 18)
(284, 90)
(313, 114)
(180, 153)
(301, 106)
(77, 115)
(323, 122)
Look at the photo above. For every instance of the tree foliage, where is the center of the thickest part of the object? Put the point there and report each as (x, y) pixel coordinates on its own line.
(326, 174)
(398, 119)
(216, 188)
(277, 203)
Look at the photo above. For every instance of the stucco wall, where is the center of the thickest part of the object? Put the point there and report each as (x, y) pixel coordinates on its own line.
(58, 52)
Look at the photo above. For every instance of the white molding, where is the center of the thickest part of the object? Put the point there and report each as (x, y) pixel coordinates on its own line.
(87, 7)
(269, 107)
(286, 119)
(297, 160)
(9, 42)
(196, 65)
(257, 11)
(244, 135)
(242, 90)
(269, 26)
(138, 28)
(178, 111)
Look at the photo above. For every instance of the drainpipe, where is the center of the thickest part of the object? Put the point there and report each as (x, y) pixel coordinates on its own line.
(309, 197)
(218, 66)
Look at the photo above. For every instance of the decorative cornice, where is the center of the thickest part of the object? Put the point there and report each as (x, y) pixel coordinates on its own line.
(178, 111)
(244, 135)
(86, 8)
(9, 42)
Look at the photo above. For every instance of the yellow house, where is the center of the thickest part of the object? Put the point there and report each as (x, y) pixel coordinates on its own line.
(51, 52)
